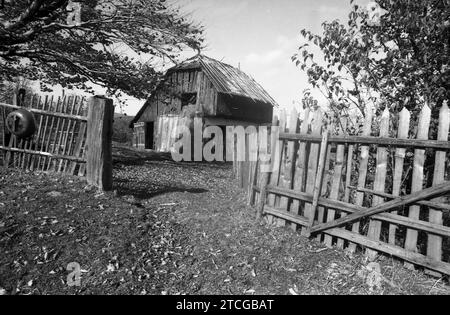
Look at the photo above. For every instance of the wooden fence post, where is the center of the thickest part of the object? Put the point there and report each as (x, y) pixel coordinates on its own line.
(336, 178)
(379, 183)
(434, 248)
(318, 179)
(362, 171)
(400, 153)
(300, 171)
(99, 142)
(417, 179)
(311, 172)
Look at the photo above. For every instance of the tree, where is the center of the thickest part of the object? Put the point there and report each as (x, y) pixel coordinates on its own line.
(73, 43)
(393, 53)
(9, 89)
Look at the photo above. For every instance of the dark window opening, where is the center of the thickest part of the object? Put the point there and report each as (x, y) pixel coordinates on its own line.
(188, 99)
(149, 132)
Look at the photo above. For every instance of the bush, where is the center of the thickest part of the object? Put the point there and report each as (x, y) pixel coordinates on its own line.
(121, 132)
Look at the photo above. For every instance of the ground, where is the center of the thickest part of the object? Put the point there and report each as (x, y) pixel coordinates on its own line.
(168, 228)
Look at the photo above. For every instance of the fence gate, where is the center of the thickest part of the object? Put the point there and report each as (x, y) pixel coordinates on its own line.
(371, 191)
(60, 140)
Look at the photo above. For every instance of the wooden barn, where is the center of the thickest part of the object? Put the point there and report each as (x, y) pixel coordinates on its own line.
(218, 93)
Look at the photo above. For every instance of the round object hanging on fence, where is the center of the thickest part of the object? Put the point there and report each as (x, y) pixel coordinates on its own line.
(21, 123)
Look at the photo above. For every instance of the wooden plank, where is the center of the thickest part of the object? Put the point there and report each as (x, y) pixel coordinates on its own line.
(351, 208)
(63, 124)
(427, 193)
(254, 165)
(348, 178)
(8, 155)
(434, 248)
(300, 166)
(82, 169)
(319, 176)
(99, 139)
(12, 138)
(78, 108)
(245, 167)
(266, 160)
(432, 204)
(43, 154)
(47, 112)
(336, 180)
(70, 132)
(325, 181)
(52, 133)
(288, 166)
(394, 142)
(379, 184)
(277, 152)
(362, 170)
(288, 216)
(262, 195)
(40, 135)
(32, 143)
(67, 134)
(29, 142)
(60, 121)
(316, 128)
(48, 134)
(445, 231)
(79, 145)
(417, 177)
(253, 159)
(18, 157)
(348, 175)
(402, 133)
(393, 250)
(281, 153)
(42, 160)
(39, 104)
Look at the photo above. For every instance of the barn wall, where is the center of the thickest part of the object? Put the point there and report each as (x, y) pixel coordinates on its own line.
(169, 127)
(166, 111)
(167, 99)
(167, 130)
(242, 108)
(207, 96)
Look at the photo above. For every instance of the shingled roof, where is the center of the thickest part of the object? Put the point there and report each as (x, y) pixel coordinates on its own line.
(227, 79)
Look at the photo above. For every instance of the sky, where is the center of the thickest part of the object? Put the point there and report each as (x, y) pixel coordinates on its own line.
(260, 36)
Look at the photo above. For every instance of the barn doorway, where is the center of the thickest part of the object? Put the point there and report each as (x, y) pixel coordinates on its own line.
(149, 135)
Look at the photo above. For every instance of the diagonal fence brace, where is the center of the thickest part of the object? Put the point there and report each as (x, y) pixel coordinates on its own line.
(427, 193)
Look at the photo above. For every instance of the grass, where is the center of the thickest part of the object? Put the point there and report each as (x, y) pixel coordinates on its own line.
(168, 228)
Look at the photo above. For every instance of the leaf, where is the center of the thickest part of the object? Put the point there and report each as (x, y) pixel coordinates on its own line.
(292, 292)
(54, 194)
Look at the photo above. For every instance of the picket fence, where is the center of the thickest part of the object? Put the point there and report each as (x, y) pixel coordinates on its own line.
(381, 191)
(73, 136)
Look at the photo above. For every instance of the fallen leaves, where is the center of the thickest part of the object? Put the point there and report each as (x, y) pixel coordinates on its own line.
(250, 291)
(168, 229)
(54, 194)
(293, 291)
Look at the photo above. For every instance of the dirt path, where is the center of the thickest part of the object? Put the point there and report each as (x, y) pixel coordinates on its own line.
(168, 229)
